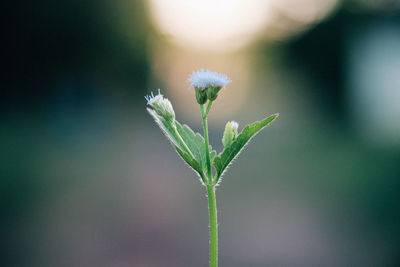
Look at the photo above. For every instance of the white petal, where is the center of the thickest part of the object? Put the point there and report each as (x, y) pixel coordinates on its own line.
(202, 79)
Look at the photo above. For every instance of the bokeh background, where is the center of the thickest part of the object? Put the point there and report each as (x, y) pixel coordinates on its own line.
(87, 178)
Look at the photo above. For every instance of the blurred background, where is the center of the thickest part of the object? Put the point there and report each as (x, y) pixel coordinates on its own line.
(87, 178)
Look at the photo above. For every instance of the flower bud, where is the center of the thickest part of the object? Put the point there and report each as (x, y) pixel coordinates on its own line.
(201, 96)
(212, 92)
(162, 106)
(230, 133)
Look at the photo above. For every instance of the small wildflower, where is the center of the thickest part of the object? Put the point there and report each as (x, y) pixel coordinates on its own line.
(207, 84)
(161, 105)
(203, 79)
(196, 150)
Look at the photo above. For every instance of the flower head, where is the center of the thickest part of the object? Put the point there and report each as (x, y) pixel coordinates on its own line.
(203, 79)
(207, 84)
(162, 106)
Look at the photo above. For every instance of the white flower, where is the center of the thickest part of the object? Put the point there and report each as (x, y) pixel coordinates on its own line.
(202, 79)
(161, 105)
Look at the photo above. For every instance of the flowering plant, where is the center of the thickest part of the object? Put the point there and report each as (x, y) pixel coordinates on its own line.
(196, 150)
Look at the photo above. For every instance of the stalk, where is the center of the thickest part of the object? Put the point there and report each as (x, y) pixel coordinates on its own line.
(212, 204)
(204, 118)
(212, 210)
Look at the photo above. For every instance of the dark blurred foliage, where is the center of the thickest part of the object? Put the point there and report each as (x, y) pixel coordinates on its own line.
(72, 41)
(59, 60)
(322, 50)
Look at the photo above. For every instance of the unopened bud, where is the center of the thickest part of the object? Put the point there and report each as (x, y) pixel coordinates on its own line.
(162, 106)
(230, 133)
(201, 96)
(212, 92)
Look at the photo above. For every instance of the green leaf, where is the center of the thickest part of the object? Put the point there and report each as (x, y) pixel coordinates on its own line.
(225, 158)
(190, 161)
(189, 145)
(169, 130)
(196, 144)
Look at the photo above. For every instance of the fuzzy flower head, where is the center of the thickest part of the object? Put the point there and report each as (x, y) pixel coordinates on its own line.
(203, 79)
(162, 106)
(207, 84)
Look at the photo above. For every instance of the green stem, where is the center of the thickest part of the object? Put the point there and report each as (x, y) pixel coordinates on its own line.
(212, 204)
(204, 118)
(212, 210)
(208, 107)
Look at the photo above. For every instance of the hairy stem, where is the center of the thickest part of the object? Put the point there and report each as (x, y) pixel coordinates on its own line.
(208, 107)
(212, 210)
(212, 204)
(204, 118)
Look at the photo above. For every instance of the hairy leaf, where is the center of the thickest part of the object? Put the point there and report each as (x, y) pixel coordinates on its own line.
(225, 158)
(169, 130)
(189, 145)
(195, 143)
(192, 162)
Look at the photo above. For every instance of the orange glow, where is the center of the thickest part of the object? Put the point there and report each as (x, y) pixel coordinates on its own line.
(211, 24)
(226, 25)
